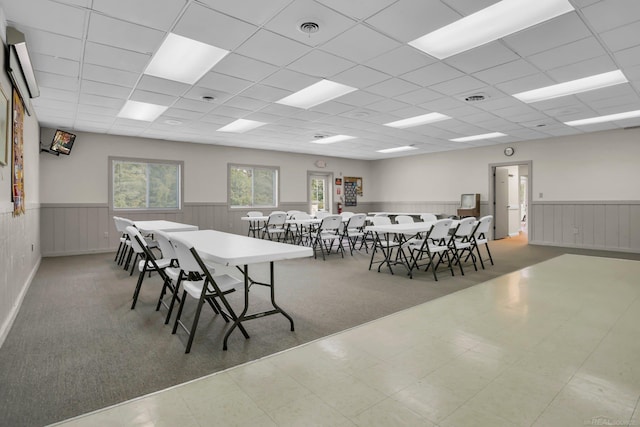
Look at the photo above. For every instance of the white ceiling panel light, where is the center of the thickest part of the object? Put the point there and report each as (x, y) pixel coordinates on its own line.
(585, 84)
(479, 137)
(241, 125)
(489, 24)
(398, 149)
(184, 60)
(317, 93)
(332, 139)
(418, 120)
(141, 111)
(603, 119)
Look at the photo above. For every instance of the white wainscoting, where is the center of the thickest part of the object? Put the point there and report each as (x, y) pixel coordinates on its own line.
(609, 225)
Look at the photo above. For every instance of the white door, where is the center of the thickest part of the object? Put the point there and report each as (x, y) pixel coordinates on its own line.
(501, 207)
(319, 194)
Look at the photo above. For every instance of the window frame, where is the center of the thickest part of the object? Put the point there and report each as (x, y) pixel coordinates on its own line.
(180, 165)
(243, 165)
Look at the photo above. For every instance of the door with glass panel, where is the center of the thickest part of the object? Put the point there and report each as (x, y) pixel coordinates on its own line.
(319, 193)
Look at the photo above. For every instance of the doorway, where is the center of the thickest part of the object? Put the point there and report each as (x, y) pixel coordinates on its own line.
(510, 198)
(320, 191)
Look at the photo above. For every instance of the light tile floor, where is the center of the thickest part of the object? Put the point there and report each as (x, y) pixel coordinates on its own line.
(555, 344)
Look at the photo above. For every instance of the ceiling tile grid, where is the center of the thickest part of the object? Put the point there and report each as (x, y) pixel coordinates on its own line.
(88, 67)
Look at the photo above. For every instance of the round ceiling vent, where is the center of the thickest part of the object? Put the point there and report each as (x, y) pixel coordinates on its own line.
(309, 27)
(208, 98)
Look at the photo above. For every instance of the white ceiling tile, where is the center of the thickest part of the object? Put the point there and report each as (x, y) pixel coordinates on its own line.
(392, 87)
(121, 34)
(407, 20)
(505, 72)
(531, 82)
(101, 101)
(208, 26)
(360, 98)
(628, 57)
(109, 75)
(51, 64)
(289, 80)
(57, 81)
(152, 97)
(432, 74)
(360, 77)
(272, 48)
(162, 18)
(193, 105)
(244, 68)
(98, 110)
(567, 54)
(460, 85)
(467, 7)
(287, 23)
(358, 9)
(320, 64)
(245, 103)
(255, 11)
(482, 58)
(610, 14)
(54, 45)
(400, 61)
(232, 112)
(158, 85)
(360, 44)
(387, 105)
(103, 89)
(265, 93)
(57, 94)
(419, 96)
(590, 67)
(222, 82)
(622, 37)
(179, 113)
(113, 57)
(556, 32)
(48, 17)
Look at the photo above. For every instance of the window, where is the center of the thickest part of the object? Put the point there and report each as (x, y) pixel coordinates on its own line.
(142, 184)
(253, 186)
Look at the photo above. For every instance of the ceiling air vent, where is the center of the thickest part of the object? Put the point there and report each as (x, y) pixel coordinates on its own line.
(309, 27)
(475, 98)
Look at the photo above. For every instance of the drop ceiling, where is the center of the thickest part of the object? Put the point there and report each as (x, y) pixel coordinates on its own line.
(89, 57)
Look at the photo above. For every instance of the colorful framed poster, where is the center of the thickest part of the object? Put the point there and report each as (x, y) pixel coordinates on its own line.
(358, 182)
(17, 160)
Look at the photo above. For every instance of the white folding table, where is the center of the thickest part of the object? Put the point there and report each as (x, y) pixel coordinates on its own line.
(240, 251)
(162, 225)
(404, 233)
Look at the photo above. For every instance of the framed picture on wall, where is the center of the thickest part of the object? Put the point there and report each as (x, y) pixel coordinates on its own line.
(5, 129)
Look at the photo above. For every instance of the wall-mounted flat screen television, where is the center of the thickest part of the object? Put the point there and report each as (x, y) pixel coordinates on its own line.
(62, 142)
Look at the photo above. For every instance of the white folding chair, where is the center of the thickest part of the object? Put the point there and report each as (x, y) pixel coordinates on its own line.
(404, 219)
(353, 231)
(428, 217)
(301, 233)
(148, 263)
(435, 243)
(198, 282)
(481, 237)
(462, 241)
(254, 225)
(275, 226)
(327, 233)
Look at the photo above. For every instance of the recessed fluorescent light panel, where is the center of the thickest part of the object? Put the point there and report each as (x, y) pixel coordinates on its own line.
(572, 87)
(602, 119)
(398, 149)
(479, 137)
(332, 139)
(489, 24)
(141, 111)
(317, 93)
(240, 126)
(184, 60)
(418, 120)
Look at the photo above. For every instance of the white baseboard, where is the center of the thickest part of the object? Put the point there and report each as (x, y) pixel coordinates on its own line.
(6, 327)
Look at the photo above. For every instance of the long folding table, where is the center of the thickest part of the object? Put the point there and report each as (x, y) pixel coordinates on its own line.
(241, 251)
(162, 225)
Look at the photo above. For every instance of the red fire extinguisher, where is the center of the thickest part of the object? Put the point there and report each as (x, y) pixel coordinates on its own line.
(339, 207)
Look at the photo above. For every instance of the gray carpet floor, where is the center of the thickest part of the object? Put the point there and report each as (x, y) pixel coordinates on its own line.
(76, 346)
